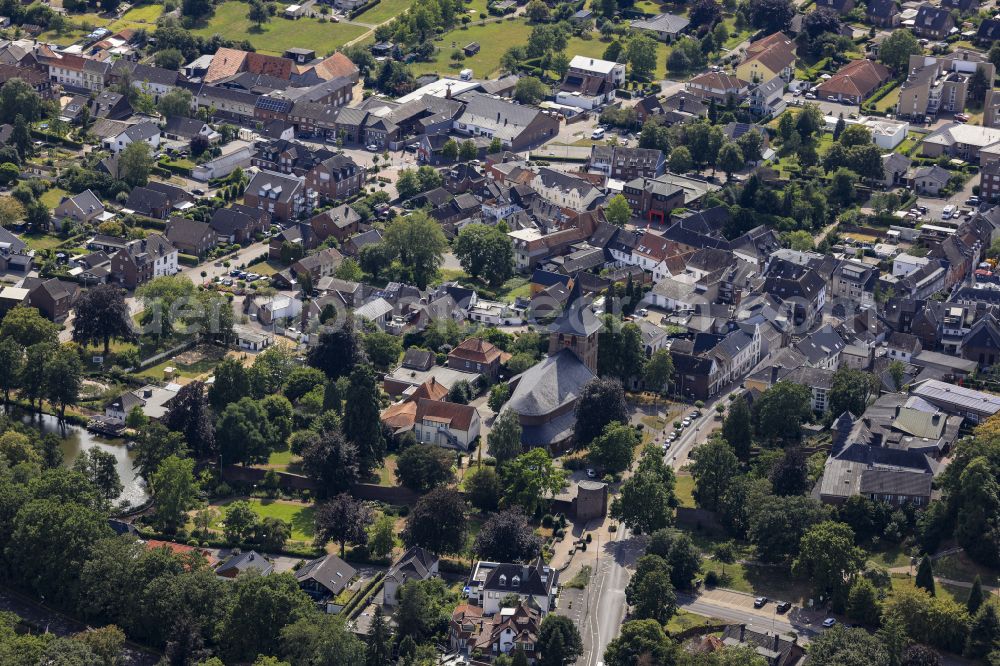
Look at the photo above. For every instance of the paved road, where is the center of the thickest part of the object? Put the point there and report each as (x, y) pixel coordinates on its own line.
(764, 619)
(605, 594)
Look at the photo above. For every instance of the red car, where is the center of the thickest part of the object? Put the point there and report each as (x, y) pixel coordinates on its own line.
(961, 117)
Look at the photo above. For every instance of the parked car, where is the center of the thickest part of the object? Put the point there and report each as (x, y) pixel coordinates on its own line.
(642, 312)
(810, 95)
(591, 474)
(972, 201)
(372, 147)
(783, 606)
(962, 117)
(829, 622)
(597, 134)
(686, 422)
(759, 602)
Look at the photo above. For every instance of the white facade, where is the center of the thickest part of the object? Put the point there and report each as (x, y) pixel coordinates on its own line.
(165, 265)
(605, 69)
(904, 264)
(76, 78)
(434, 431)
(116, 144)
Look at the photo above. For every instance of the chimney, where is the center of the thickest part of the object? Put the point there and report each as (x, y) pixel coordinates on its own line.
(447, 93)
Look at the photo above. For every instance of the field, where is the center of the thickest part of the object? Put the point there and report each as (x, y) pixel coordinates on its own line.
(685, 490)
(383, 11)
(144, 16)
(230, 19)
(888, 102)
(494, 39)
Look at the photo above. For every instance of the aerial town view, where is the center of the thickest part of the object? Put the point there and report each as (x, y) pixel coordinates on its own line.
(500, 333)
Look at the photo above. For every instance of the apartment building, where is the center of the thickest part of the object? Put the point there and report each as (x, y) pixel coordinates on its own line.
(940, 84)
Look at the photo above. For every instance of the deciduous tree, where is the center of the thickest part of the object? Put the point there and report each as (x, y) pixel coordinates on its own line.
(102, 316)
(507, 537)
(437, 522)
(343, 519)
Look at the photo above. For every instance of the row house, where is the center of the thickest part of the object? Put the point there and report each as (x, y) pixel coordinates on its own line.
(142, 260)
(658, 255)
(564, 190)
(283, 196)
(627, 164)
(653, 198)
(336, 177)
(78, 73)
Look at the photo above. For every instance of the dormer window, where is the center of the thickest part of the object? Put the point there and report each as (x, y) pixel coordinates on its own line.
(503, 580)
(515, 581)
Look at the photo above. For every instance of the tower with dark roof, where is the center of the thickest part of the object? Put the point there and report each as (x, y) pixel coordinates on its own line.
(576, 329)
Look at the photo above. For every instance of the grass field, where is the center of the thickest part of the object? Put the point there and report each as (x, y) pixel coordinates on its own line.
(41, 241)
(299, 516)
(889, 101)
(685, 490)
(493, 38)
(52, 197)
(384, 11)
(137, 17)
(230, 20)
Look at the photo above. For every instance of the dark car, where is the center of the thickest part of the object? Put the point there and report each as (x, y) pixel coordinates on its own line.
(783, 606)
(759, 602)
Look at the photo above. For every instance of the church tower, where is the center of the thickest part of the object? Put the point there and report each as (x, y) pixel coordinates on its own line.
(576, 329)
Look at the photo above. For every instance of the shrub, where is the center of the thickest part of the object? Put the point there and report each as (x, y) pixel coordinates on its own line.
(711, 579)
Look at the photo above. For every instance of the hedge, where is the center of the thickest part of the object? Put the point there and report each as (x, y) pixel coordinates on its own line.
(187, 259)
(362, 9)
(55, 138)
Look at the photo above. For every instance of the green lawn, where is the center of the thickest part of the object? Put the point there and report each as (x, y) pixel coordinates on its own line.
(41, 241)
(685, 490)
(52, 197)
(891, 557)
(590, 48)
(960, 567)
(384, 11)
(201, 368)
(493, 38)
(144, 16)
(300, 516)
(230, 20)
(684, 620)
(888, 102)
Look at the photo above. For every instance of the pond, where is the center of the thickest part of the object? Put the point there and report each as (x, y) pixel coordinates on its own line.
(76, 439)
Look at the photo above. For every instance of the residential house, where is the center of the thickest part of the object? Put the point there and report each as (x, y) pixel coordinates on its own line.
(989, 182)
(446, 424)
(54, 298)
(767, 98)
(612, 72)
(473, 632)
(653, 252)
(324, 578)
(767, 58)
(822, 348)
(182, 128)
(991, 109)
(654, 198)
(982, 342)
(800, 289)
(662, 27)
(565, 190)
(78, 73)
(585, 91)
(988, 32)
(882, 13)
(336, 177)
(152, 401)
(341, 222)
(902, 346)
(321, 264)
(964, 7)
(145, 132)
(80, 208)
(142, 260)
(932, 22)
(479, 356)
(190, 236)
(895, 166)
(282, 196)
(238, 223)
(838, 6)
(855, 82)
(776, 649)
(623, 163)
(157, 200)
(243, 563)
(855, 282)
(719, 86)
(535, 583)
(415, 564)
(929, 180)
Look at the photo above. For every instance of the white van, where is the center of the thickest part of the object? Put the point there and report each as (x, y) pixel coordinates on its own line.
(947, 213)
(465, 74)
(597, 134)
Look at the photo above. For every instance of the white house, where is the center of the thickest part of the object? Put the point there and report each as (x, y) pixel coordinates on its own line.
(612, 72)
(564, 190)
(492, 581)
(446, 424)
(145, 131)
(151, 400)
